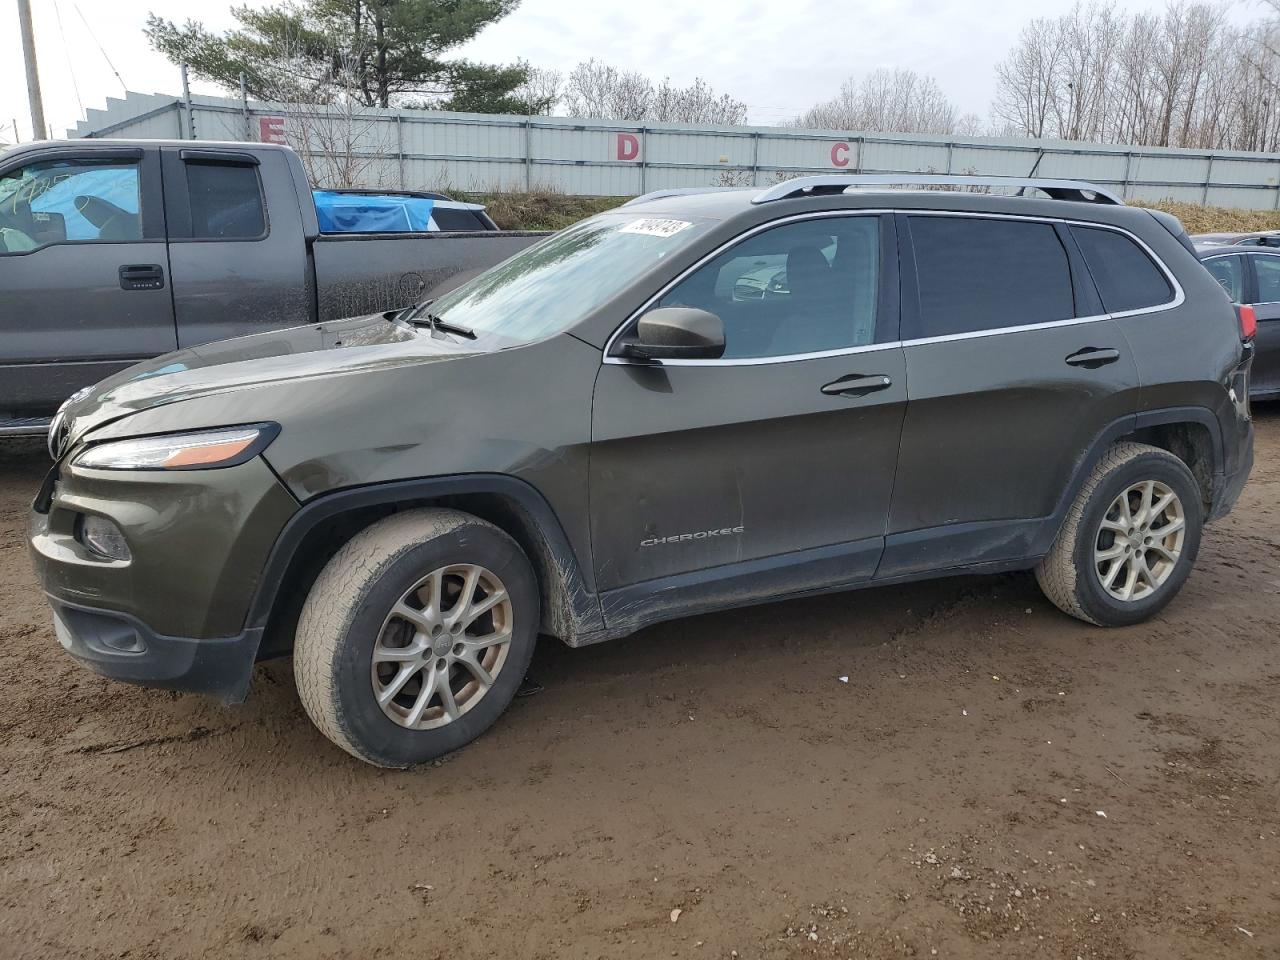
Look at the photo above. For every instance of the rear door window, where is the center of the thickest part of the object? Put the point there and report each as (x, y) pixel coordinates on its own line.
(1229, 272)
(226, 201)
(1267, 271)
(977, 274)
(1126, 278)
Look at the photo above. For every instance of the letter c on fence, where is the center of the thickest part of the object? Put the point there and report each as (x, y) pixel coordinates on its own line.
(840, 155)
(628, 146)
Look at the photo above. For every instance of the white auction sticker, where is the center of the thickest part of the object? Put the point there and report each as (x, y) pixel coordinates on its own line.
(655, 227)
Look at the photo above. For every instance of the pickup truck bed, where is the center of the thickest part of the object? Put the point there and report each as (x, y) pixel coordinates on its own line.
(369, 272)
(115, 251)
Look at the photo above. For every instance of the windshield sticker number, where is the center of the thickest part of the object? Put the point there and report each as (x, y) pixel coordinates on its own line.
(654, 227)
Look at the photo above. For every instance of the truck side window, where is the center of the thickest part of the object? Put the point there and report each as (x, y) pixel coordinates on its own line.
(69, 201)
(226, 201)
(447, 219)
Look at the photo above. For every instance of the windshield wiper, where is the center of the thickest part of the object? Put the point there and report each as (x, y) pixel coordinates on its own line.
(441, 326)
(419, 316)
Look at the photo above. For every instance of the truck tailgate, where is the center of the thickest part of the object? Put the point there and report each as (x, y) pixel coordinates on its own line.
(368, 273)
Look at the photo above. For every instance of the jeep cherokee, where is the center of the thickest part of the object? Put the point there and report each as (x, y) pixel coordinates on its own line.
(701, 400)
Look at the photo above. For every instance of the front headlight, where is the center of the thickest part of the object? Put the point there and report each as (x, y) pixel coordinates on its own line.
(199, 450)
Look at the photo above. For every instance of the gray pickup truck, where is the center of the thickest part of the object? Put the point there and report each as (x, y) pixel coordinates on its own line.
(115, 251)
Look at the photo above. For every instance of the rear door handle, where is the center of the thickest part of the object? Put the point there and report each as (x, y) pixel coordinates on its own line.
(857, 385)
(1093, 357)
(142, 276)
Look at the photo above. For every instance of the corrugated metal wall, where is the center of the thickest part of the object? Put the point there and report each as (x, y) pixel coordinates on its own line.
(413, 149)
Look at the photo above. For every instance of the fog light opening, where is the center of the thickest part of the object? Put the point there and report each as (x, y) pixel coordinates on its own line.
(103, 537)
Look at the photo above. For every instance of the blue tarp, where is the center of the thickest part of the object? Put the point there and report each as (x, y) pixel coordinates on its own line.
(372, 213)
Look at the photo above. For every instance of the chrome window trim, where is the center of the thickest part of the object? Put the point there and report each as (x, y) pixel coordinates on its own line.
(759, 361)
(1021, 328)
(1179, 297)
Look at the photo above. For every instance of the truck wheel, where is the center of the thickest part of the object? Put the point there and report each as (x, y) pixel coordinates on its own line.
(1129, 540)
(416, 636)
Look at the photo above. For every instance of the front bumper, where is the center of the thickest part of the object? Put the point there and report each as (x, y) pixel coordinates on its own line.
(122, 647)
(173, 615)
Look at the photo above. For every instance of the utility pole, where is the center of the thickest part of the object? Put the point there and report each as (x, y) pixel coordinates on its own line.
(38, 128)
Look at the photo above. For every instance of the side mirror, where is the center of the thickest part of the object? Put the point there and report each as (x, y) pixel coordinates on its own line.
(676, 333)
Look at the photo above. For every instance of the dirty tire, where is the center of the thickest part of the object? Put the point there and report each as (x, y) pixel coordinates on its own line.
(1067, 573)
(345, 611)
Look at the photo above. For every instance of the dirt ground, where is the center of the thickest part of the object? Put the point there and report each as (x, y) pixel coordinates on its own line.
(994, 780)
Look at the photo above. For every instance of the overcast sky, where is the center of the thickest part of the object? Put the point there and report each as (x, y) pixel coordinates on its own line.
(778, 57)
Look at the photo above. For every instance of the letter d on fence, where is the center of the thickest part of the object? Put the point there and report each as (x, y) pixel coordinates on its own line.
(840, 155)
(628, 146)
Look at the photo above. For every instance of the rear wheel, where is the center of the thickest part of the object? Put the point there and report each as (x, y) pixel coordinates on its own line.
(416, 636)
(1129, 540)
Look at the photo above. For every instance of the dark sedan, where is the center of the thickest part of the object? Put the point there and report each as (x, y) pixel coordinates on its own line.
(1262, 238)
(1251, 274)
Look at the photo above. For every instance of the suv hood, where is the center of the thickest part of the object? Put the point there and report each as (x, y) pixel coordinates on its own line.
(319, 350)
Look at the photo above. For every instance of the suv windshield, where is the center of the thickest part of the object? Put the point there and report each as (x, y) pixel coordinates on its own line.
(555, 283)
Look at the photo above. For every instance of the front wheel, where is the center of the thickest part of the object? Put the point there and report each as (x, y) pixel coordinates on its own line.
(1129, 540)
(416, 636)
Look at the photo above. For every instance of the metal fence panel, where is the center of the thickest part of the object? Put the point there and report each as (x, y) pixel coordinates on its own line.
(415, 149)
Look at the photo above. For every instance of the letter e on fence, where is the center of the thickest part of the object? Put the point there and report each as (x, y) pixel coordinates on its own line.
(840, 155)
(271, 129)
(628, 146)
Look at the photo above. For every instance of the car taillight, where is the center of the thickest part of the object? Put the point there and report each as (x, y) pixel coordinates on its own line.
(1248, 322)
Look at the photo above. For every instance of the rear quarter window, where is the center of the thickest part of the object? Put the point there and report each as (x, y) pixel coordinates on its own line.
(1126, 277)
(226, 201)
(448, 220)
(978, 274)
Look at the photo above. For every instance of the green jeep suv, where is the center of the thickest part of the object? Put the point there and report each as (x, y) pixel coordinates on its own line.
(701, 400)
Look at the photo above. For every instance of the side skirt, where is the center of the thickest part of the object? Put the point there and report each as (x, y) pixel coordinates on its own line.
(808, 573)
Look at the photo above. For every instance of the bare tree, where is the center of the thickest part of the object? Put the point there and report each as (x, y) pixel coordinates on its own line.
(696, 103)
(1026, 81)
(341, 142)
(1184, 77)
(971, 125)
(542, 89)
(596, 89)
(897, 101)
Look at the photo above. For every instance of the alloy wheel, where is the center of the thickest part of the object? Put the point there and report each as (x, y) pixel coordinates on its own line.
(442, 646)
(1139, 541)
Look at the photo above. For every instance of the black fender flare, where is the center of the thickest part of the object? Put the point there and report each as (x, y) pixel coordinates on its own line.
(580, 606)
(1117, 429)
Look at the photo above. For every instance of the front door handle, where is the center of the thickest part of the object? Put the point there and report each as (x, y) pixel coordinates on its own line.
(1093, 357)
(142, 276)
(856, 385)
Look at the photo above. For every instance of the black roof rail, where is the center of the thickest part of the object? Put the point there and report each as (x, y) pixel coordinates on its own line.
(1077, 190)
